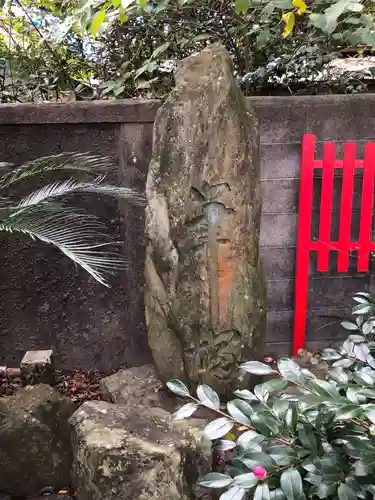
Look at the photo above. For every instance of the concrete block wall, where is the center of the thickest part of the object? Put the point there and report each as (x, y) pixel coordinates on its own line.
(46, 302)
(282, 122)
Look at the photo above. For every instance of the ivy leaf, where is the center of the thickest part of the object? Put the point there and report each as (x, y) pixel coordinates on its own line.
(97, 21)
(346, 493)
(300, 5)
(289, 20)
(257, 368)
(217, 428)
(159, 50)
(291, 484)
(234, 493)
(262, 492)
(241, 6)
(185, 411)
(178, 388)
(215, 480)
(208, 397)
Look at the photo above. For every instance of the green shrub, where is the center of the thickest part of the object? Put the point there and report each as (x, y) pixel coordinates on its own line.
(298, 436)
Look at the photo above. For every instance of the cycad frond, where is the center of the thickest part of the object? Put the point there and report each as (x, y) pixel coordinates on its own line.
(64, 188)
(73, 232)
(65, 161)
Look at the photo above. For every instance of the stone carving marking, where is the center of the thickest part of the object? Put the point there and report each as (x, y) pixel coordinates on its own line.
(206, 297)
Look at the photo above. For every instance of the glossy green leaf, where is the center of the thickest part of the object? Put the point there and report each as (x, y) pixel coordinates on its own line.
(262, 492)
(257, 368)
(308, 439)
(235, 493)
(250, 438)
(245, 394)
(347, 412)
(185, 411)
(225, 445)
(346, 493)
(97, 21)
(241, 6)
(348, 325)
(208, 397)
(291, 484)
(178, 388)
(245, 481)
(289, 369)
(215, 480)
(217, 428)
(283, 454)
(240, 410)
(280, 407)
(277, 494)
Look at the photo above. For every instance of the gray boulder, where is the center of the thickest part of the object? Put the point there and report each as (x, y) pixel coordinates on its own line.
(35, 448)
(137, 385)
(137, 452)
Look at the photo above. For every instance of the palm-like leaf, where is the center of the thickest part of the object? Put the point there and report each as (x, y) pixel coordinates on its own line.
(65, 188)
(73, 232)
(79, 235)
(65, 161)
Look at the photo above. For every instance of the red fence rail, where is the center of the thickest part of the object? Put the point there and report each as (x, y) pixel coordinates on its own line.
(323, 245)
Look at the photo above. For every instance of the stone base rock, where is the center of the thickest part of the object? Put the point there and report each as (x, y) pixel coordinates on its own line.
(136, 452)
(35, 448)
(57, 496)
(138, 385)
(38, 367)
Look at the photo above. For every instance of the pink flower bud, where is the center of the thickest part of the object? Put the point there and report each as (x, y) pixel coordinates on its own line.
(259, 472)
(268, 360)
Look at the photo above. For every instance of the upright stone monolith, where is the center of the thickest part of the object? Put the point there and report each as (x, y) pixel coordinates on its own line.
(206, 296)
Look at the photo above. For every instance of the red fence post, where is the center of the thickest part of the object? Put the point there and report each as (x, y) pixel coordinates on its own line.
(303, 242)
(323, 245)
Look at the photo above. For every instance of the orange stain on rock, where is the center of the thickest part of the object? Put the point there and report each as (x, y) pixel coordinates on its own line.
(226, 272)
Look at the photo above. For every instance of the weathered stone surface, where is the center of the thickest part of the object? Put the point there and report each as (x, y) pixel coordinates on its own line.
(134, 386)
(135, 453)
(38, 367)
(35, 446)
(57, 496)
(206, 297)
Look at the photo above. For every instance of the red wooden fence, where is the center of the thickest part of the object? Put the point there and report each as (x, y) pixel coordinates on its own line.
(323, 244)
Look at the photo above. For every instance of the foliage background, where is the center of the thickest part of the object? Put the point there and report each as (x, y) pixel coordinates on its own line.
(128, 48)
